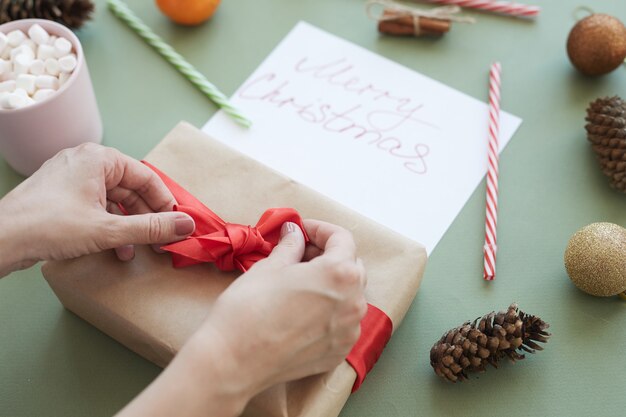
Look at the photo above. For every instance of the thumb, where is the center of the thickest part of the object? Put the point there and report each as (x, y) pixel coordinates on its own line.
(150, 228)
(290, 248)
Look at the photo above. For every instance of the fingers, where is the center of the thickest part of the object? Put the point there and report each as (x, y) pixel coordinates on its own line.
(335, 241)
(333, 247)
(130, 200)
(126, 252)
(128, 179)
(139, 190)
(362, 272)
(290, 248)
(311, 252)
(146, 228)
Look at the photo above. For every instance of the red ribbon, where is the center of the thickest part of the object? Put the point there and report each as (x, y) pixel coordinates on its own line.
(230, 246)
(234, 246)
(376, 328)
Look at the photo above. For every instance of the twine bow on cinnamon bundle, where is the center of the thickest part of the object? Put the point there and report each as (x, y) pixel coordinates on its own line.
(402, 20)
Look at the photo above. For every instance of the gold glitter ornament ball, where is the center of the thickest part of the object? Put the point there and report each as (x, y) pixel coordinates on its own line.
(597, 44)
(595, 259)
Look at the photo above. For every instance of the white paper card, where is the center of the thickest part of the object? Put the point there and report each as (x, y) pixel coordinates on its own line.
(384, 140)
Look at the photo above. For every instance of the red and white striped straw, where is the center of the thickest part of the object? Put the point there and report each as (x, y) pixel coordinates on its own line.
(491, 222)
(501, 7)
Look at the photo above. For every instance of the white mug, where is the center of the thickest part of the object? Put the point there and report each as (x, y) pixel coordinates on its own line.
(31, 135)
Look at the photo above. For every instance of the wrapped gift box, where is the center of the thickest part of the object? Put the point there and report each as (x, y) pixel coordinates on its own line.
(152, 308)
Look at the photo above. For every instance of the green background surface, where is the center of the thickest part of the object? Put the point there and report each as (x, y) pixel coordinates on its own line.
(54, 364)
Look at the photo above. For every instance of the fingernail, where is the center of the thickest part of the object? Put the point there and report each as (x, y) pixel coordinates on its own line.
(157, 248)
(287, 227)
(125, 253)
(184, 225)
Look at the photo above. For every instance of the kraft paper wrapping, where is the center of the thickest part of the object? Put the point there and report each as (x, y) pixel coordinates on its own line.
(153, 308)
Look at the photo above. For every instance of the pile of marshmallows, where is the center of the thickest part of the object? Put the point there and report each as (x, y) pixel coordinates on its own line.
(33, 66)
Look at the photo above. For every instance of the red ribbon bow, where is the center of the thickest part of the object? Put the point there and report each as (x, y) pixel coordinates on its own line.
(235, 246)
(230, 246)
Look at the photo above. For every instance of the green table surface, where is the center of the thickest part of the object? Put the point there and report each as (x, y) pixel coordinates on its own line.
(54, 364)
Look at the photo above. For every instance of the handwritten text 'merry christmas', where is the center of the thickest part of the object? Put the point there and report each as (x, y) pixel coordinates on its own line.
(369, 113)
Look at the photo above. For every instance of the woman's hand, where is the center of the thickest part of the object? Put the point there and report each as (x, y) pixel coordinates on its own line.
(282, 320)
(286, 319)
(68, 208)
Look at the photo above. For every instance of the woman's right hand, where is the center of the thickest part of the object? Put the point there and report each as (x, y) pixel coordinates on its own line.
(287, 318)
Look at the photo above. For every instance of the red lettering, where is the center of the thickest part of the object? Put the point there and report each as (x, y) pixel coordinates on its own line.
(274, 91)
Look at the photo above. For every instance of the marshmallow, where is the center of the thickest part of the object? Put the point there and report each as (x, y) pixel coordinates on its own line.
(4, 98)
(68, 63)
(47, 82)
(37, 67)
(21, 92)
(6, 54)
(26, 82)
(22, 63)
(62, 47)
(3, 41)
(30, 101)
(63, 77)
(52, 66)
(4, 101)
(15, 38)
(45, 51)
(38, 34)
(52, 40)
(30, 44)
(10, 101)
(15, 52)
(7, 86)
(5, 66)
(22, 50)
(43, 94)
(13, 101)
(8, 76)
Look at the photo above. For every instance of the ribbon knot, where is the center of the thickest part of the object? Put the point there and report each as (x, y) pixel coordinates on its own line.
(243, 241)
(229, 245)
(251, 240)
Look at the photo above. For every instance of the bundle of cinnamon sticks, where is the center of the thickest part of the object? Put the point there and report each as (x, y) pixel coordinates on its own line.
(403, 24)
(404, 20)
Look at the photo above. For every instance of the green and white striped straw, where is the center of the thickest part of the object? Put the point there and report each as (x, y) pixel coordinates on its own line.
(121, 10)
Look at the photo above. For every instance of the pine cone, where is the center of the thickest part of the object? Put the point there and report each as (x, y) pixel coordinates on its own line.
(606, 131)
(470, 347)
(71, 13)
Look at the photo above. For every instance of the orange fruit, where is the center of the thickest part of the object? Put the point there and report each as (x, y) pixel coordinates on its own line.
(188, 12)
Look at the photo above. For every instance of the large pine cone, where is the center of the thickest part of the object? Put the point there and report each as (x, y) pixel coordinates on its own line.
(486, 340)
(606, 131)
(71, 13)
